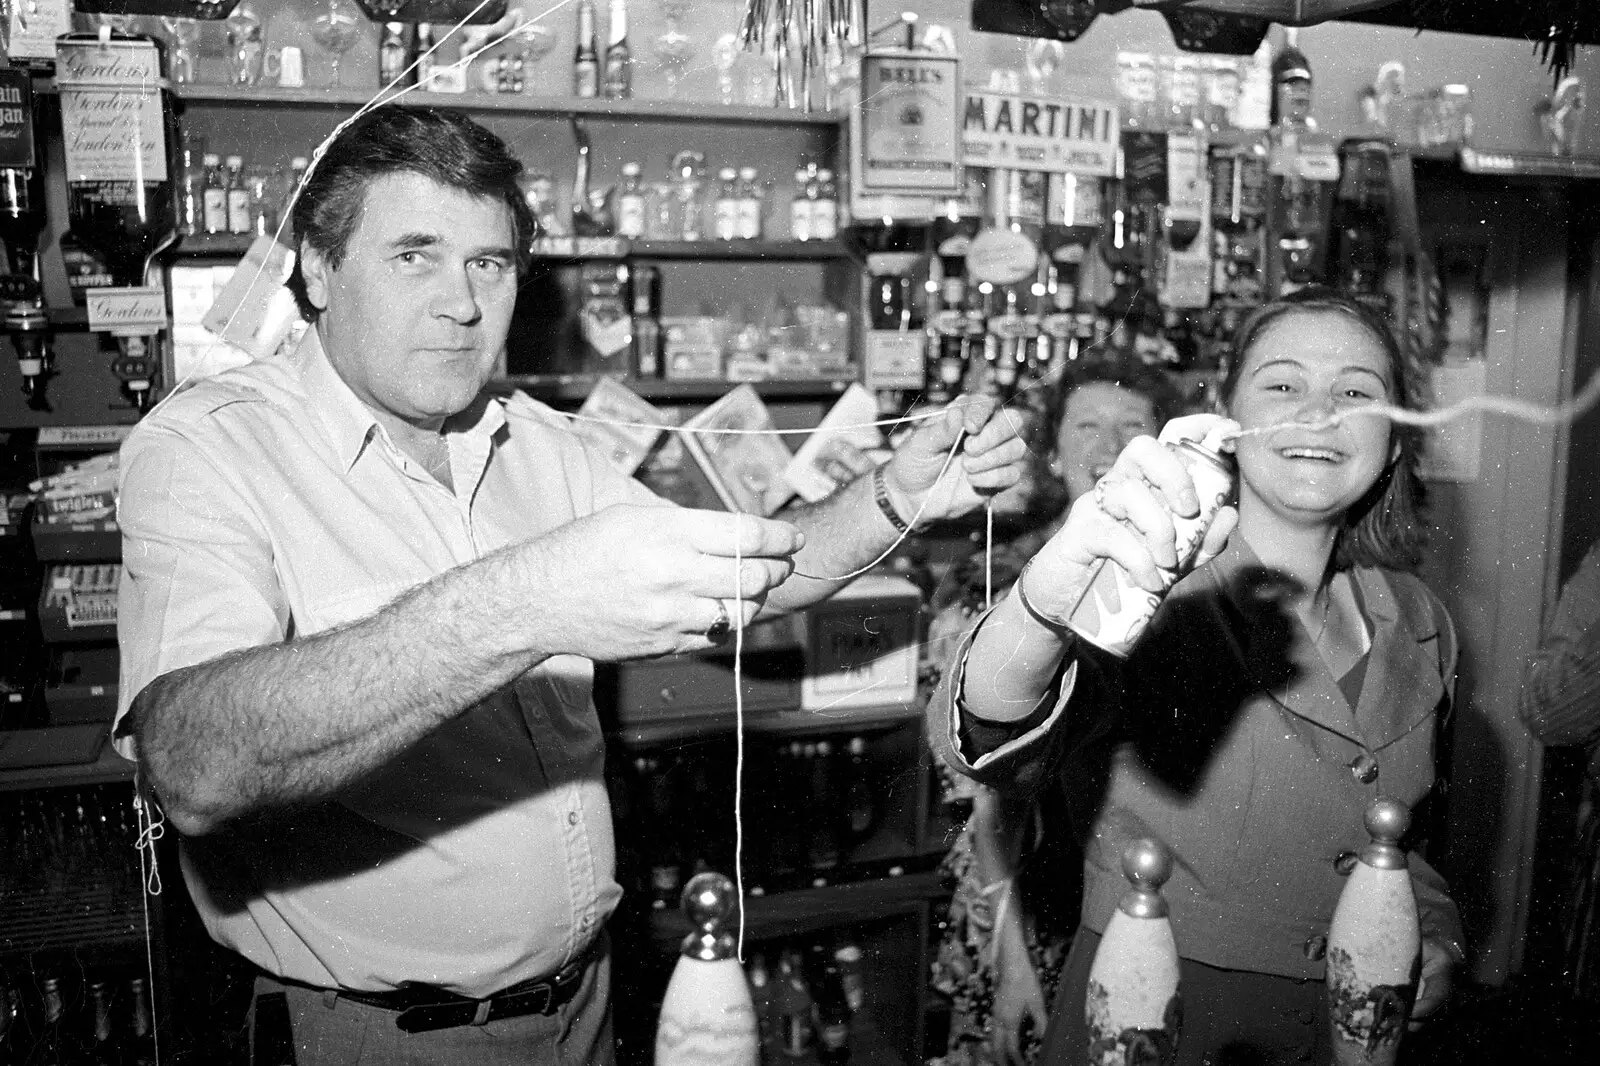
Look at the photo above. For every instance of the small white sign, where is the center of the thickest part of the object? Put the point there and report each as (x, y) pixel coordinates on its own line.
(82, 436)
(894, 359)
(132, 312)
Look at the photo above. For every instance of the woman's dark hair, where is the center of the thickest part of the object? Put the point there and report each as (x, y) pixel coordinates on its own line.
(444, 146)
(1386, 527)
(1150, 382)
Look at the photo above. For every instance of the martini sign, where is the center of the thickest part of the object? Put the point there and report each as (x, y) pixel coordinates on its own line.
(1053, 133)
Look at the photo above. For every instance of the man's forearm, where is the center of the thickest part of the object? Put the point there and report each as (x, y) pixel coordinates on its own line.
(294, 722)
(844, 532)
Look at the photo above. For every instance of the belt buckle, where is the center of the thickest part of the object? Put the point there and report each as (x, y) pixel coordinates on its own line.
(539, 999)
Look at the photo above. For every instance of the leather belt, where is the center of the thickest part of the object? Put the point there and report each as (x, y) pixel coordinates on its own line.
(422, 1008)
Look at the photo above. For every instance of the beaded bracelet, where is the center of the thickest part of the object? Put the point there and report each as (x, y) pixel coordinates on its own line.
(880, 493)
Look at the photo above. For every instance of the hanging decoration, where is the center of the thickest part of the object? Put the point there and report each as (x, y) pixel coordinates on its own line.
(823, 34)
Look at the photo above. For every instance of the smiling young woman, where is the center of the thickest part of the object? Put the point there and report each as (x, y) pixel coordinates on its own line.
(1280, 687)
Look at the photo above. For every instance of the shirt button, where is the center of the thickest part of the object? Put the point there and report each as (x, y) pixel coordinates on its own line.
(1364, 768)
(1344, 862)
(572, 817)
(1316, 947)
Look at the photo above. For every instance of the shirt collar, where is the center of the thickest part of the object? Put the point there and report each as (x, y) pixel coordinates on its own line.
(350, 424)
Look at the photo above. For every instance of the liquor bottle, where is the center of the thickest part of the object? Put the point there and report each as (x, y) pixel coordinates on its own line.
(825, 211)
(1291, 83)
(141, 1025)
(22, 219)
(1303, 165)
(793, 1005)
(751, 204)
(800, 213)
(421, 57)
(631, 202)
(298, 166)
(847, 956)
(214, 198)
(823, 849)
(586, 57)
(647, 321)
(120, 185)
(1361, 227)
(604, 317)
(725, 208)
(666, 872)
(191, 205)
(1238, 217)
(860, 793)
(238, 196)
(760, 978)
(618, 78)
(394, 57)
(833, 1015)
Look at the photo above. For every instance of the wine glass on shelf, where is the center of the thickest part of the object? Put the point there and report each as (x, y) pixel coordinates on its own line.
(184, 33)
(1044, 59)
(725, 55)
(538, 40)
(674, 48)
(336, 27)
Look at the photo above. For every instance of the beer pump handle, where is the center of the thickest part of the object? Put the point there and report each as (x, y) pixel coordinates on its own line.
(707, 1014)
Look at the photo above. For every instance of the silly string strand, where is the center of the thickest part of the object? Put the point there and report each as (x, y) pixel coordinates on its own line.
(738, 738)
(1527, 411)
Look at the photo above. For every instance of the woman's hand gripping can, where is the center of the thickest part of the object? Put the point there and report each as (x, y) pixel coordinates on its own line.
(1113, 611)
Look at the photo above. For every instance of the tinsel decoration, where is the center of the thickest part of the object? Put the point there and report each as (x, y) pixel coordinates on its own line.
(1556, 27)
(818, 29)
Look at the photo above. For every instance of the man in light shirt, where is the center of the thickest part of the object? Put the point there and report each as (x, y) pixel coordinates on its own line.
(360, 605)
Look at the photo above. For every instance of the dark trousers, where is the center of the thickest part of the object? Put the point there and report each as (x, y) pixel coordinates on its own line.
(326, 1029)
(1230, 1017)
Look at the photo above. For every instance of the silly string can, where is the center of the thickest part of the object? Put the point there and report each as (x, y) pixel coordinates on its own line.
(1113, 611)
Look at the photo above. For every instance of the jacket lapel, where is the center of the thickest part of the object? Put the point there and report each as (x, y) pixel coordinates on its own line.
(1403, 685)
(1275, 648)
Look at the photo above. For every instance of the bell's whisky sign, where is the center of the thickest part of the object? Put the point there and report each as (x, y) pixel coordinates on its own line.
(1039, 133)
(906, 134)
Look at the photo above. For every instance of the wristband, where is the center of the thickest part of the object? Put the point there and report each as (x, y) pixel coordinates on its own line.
(880, 493)
(1055, 625)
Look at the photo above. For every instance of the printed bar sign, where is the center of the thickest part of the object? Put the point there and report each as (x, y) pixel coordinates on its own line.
(16, 119)
(111, 123)
(1039, 133)
(905, 134)
(135, 312)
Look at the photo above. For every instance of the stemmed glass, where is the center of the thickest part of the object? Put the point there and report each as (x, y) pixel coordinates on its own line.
(539, 40)
(1044, 59)
(184, 34)
(674, 48)
(725, 57)
(336, 28)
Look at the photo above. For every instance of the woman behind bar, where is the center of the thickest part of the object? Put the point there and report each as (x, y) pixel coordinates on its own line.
(1010, 923)
(1282, 686)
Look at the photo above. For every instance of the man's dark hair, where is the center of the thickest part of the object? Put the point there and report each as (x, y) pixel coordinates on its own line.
(442, 145)
(1386, 527)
